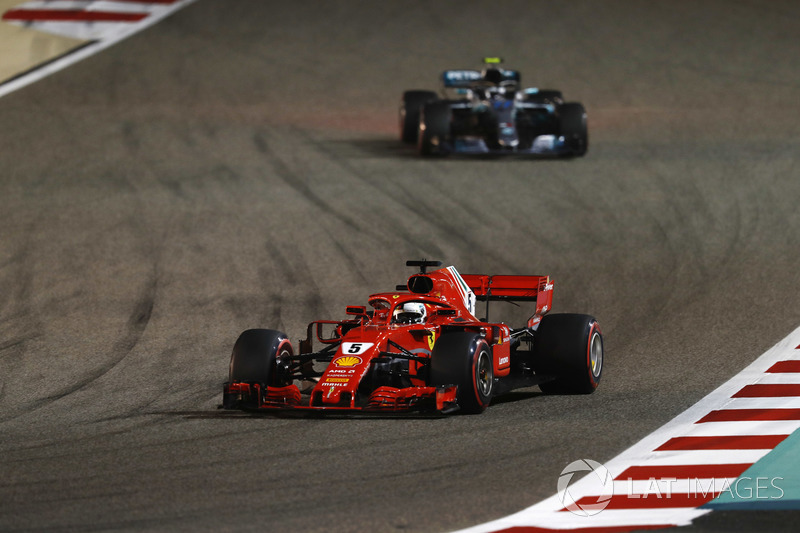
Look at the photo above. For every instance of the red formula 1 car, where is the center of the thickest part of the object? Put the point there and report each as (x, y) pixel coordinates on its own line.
(420, 349)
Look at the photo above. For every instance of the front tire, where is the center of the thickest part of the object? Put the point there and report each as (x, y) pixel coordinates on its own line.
(434, 129)
(569, 348)
(573, 127)
(464, 359)
(254, 360)
(410, 105)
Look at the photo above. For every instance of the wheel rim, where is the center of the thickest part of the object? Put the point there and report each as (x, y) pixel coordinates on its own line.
(484, 377)
(596, 354)
(279, 380)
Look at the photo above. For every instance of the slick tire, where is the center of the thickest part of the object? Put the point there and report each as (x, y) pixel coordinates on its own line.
(569, 348)
(410, 105)
(464, 359)
(573, 127)
(434, 129)
(254, 359)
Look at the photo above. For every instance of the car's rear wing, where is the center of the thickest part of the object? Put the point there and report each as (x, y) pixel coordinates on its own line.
(460, 79)
(537, 289)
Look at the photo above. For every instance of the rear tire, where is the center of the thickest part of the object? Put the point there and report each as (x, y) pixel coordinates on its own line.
(410, 105)
(464, 359)
(569, 347)
(434, 129)
(254, 360)
(573, 127)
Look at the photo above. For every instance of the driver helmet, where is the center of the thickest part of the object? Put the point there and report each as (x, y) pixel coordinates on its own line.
(493, 75)
(410, 313)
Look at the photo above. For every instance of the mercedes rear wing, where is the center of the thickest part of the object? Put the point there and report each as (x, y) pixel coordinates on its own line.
(454, 79)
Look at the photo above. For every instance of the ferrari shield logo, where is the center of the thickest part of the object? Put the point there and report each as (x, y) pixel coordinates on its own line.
(431, 339)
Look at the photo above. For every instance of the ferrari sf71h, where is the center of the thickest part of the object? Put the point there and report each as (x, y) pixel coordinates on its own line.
(420, 349)
(488, 112)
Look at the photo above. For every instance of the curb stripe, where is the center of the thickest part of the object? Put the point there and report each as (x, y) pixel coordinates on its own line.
(70, 15)
(761, 403)
(609, 529)
(767, 391)
(785, 366)
(160, 2)
(751, 428)
(624, 501)
(741, 415)
(723, 442)
(683, 471)
(700, 457)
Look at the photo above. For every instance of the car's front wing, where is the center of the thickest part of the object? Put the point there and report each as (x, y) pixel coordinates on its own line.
(383, 400)
(543, 144)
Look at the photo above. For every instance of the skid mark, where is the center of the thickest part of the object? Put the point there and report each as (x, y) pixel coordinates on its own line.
(134, 329)
(423, 211)
(296, 183)
(347, 256)
(17, 313)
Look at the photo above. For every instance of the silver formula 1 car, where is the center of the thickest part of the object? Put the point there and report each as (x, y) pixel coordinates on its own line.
(487, 111)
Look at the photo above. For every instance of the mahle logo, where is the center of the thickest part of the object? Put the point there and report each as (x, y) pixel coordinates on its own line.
(598, 482)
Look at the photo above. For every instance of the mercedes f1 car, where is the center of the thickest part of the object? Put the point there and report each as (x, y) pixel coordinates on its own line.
(419, 349)
(480, 112)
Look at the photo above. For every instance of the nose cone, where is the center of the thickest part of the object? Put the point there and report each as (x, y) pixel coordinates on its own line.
(339, 384)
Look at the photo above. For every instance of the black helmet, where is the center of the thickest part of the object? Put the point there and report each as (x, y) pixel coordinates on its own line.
(493, 75)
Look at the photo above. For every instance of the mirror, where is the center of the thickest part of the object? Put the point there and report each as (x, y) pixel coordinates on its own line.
(357, 310)
(328, 332)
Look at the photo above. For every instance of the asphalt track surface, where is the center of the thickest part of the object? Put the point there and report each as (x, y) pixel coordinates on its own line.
(237, 166)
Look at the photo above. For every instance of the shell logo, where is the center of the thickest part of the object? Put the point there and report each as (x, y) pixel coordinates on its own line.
(347, 361)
